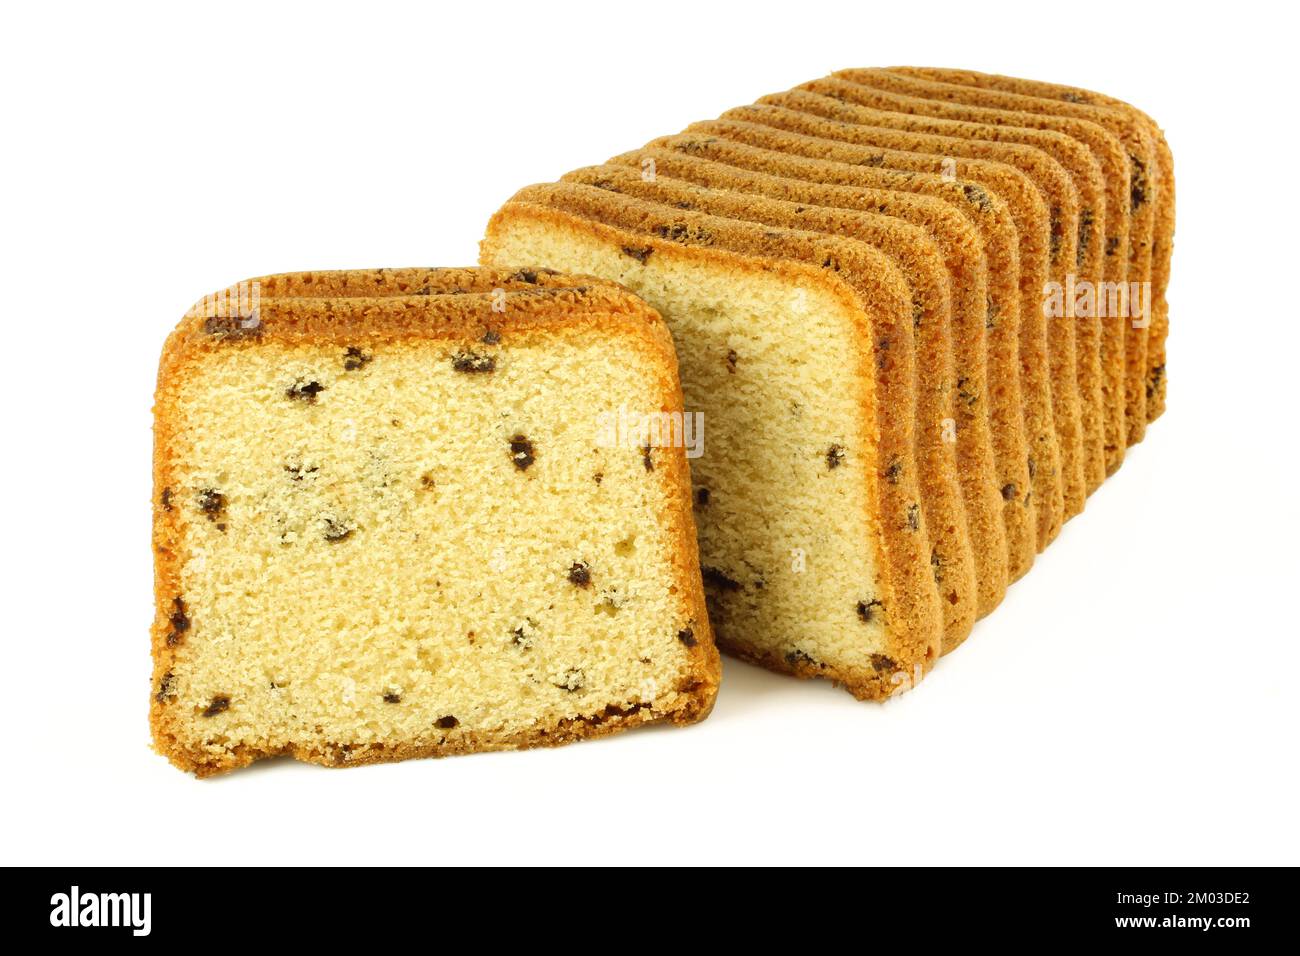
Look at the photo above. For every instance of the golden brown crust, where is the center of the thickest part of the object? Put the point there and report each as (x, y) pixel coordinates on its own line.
(583, 309)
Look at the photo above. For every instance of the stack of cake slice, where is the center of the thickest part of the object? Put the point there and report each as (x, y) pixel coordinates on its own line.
(923, 314)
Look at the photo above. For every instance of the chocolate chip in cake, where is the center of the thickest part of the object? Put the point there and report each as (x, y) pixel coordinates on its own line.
(936, 566)
(598, 477)
(426, 481)
(882, 663)
(165, 687)
(1153, 382)
(867, 610)
(180, 622)
(719, 579)
(796, 657)
(354, 358)
(491, 337)
(913, 517)
(894, 472)
(165, 499)
(640, 254)
(580, 574)
(212, 503)
(732, 358)
(1112, 245)
(918, 313)
(702, 497)
(338, 530)
(521, 452)
(1008, 492)
(977, 196)
(299, 472)
(392, 698)
(645, 458)
(447, 723)
(525, 275)
(965, 393)
(220, 704)
(304, 391)
(1137, 182)
(835, 456)
(687, 636)
(524, 634)
(472, 363)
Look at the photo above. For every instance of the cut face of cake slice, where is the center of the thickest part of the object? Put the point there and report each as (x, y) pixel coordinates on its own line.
(798, 349)
(393, 525)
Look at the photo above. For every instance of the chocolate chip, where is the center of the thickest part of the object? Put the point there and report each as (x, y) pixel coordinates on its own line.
(1073, 98)
(687, 636)
(337, 530)
(936, 567)
(1112, 245)
(525, 275)
(1137, 182)
(702, 497)
(914, 517)
(391, 698)
(639, 254)
(645, 458)
(523, 635)
(1155, 379)
(521, 452)
(882, 663)
(834, 456)
(212, 503)
(448, 722)
(219, 704)
(719, 579)
(894, 472)
(165, 499)
(732, 357)
(867, 610)
(472, 363)
(301, 391)
(977, 196)
(354, 359)
(491, 337)
(598, 477)
(796, 657)
(180, 622)
(165, 687)
(426, 481)
(965, 393)
(580, 574)
(918, 313)
(1008, 492)
(299, 472)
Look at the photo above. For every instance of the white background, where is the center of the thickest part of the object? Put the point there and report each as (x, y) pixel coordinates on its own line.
(1132, 701)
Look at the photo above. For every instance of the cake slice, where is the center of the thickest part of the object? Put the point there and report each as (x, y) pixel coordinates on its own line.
(397, 525)
(797, 347)
(1162, 200)
(955, 536)
(934, 202)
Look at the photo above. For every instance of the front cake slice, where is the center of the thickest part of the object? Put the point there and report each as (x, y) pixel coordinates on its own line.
(389, 527)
